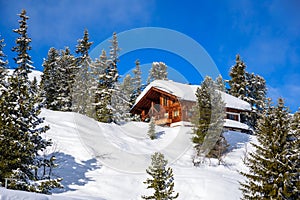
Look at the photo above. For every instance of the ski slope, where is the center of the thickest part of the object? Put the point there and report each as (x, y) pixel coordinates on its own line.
(107, 161)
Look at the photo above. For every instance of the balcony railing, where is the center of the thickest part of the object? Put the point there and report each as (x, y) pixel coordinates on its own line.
(163, 121)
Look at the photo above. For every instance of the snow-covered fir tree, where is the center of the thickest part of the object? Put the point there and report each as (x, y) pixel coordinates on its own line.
(151, 129)
(248, 87)
(103, 93)
(202, 111)
(108, 85)
(114, 49)
(295, 146)
(158, 71)
(208, 122)
(220, 83)
(82, 97)
(58, 79)
(274, 165)
(34, 87)
(255, 95)
(21, 126)
(162, 180)
(136, 82)
(295, 124)
(121, 100)
(238, 80)
(48, 79)
(65, 74)
(112, 70)
(3, 65)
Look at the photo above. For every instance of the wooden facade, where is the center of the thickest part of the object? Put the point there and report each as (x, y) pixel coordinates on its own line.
(162, 106)
(166, 108)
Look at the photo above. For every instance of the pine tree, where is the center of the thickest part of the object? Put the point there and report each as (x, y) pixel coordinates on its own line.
(220, 84)
(157, 72)
(65, 74)
(112, 70)
(49, 79)
(121, 100)
(136, 82)
(238, 80)
(114, 49)
(208, 122)
(151, 129)
(295, 124)
(82, 97)
(21, 126)
(202, 112)
(58, 79)
(256, 96)
(103, 92)
(109, 84)
(83, 47)
(126, 89)
(295, 146)
(3, 66)
(162, 179)
(274, 165)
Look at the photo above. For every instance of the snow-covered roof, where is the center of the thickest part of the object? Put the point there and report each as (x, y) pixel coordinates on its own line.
(187, 92)
(234, 102)
(235, 124)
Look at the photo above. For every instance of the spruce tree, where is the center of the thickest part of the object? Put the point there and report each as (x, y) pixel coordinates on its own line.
(256, 96)
(161, 181)
(103, 92)
(151, 129)
(114, 49)
(3, 66)
(274, 165)
(121, 101)
(136, 82)
(238, 80)
(112, 70)
(157, 72)
(295, 146)
(248, 87)
(64, 77)
(220, 84)
(49, 79)
(58, 79)
(126, 89)
(208, 121)
(108, 84)
(295, 124)
(202, 111)
(21, 126)
(82, 97)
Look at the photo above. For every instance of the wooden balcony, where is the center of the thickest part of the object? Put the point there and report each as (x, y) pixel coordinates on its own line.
(163, 121)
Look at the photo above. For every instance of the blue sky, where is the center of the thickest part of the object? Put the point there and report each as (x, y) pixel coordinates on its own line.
(265, 33)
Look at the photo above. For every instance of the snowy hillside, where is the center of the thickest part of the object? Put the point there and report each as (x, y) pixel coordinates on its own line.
(33, 74)
(106, 161)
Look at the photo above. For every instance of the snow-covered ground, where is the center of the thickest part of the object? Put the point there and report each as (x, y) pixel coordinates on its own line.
(34, 73)
(107, 161)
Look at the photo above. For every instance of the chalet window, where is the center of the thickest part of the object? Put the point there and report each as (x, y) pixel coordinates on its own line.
(165, 101)
(232, 117)
(176, 113)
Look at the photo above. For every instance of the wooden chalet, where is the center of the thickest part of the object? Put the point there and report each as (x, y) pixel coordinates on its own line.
(169, 102)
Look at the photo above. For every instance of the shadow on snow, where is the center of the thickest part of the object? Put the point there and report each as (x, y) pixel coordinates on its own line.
(72, 172)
